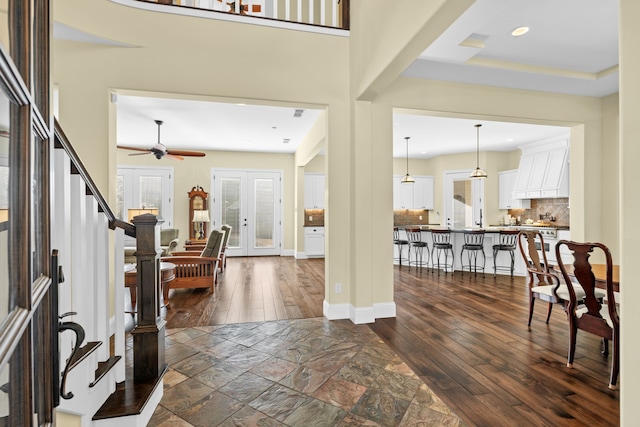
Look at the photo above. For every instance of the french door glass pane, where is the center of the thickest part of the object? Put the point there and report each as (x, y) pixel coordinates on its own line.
(462, 203)
(264, 211)
(4, 395)
(119, 213)
(151, 192)
(4, 207)
(231, 204)
(4, 26)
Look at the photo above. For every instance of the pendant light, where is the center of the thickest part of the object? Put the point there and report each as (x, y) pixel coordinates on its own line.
(478, 173)
(407, 179)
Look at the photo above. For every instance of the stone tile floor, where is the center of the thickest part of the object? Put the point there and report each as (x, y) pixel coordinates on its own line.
(307, 372)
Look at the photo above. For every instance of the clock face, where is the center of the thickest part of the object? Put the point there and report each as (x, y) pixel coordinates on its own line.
(198, 203)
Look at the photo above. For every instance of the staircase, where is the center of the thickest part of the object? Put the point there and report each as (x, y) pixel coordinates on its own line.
(88, 241)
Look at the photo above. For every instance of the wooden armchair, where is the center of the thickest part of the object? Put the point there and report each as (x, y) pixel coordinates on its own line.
(592, 316)
(227, 233)
(198, 270)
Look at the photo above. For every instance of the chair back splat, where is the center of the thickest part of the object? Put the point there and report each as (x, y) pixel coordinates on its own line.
(587, 312)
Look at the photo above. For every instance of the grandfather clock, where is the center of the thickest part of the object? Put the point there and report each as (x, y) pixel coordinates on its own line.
(198, 202)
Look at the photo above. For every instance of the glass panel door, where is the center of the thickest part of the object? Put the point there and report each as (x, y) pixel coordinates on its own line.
(464, 200)
(248, 201)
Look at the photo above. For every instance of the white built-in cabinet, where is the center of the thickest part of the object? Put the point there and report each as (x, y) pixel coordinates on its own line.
(313, 191)
(543, 171)
(506, 182)
(314, 241)
(419, 195)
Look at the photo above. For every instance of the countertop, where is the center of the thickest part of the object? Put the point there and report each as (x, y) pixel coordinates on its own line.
(488, 229)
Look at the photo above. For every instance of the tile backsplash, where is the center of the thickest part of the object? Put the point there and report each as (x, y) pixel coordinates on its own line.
(411, 217)
(557, 208)
(314, 217)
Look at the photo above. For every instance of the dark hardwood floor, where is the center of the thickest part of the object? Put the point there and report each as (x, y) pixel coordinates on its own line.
(465, 336)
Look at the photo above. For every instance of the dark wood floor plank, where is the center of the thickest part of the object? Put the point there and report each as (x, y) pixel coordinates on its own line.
(466, 337)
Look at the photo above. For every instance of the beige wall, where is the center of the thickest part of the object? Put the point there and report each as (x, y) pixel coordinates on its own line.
(197, 171)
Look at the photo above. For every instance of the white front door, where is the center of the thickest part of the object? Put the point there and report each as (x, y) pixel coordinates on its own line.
(463, 200)
(250, 202)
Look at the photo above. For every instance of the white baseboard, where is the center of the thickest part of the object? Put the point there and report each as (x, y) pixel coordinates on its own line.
(300, 255)
(359, 315)
(287, 252)
(335, 311)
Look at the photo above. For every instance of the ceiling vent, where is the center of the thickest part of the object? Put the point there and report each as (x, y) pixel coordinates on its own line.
(298, 113)
(286, 140)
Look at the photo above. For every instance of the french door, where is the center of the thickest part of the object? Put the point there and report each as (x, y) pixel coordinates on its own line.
(463, 200)
(250, 202)
(145, 187)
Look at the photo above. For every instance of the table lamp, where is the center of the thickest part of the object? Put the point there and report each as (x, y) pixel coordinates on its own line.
(199, 218)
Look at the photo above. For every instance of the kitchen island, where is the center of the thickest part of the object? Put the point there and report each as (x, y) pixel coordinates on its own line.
(491, 237)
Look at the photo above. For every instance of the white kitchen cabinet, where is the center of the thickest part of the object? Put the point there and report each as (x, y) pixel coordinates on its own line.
(419, 195)
(313, 191)
(543, 171)
(314, 241)
(506, 183)
(423, 193)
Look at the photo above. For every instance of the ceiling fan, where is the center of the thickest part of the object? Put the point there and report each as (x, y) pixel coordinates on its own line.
(159, 150)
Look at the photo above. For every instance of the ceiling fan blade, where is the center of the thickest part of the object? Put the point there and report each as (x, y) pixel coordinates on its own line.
(173, 156)
(186, 153)
(133, 148)
(140, 154)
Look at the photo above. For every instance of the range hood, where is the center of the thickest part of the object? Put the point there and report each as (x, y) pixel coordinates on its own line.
(543, 170)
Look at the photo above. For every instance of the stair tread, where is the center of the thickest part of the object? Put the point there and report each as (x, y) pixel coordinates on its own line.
(103, 368)
(130, 398)
(83, 352)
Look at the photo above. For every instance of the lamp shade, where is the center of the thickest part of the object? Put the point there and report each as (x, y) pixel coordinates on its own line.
(201, 216)
(135, 212)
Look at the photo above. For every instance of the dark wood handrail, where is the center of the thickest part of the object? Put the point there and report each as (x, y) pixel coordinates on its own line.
(61, 141)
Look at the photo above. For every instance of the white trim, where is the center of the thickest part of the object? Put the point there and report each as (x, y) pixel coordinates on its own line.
(287, 252)
(359, 315)
(335, 311)
(301, 255)
(383, 310)
(222, 16)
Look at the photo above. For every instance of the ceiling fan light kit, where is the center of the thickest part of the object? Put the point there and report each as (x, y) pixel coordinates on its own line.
(159, 150)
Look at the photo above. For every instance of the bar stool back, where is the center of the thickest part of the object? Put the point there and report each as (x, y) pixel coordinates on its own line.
(414, 235)
(442, 245)
(400, 244)
(473, 244)
(507, 241)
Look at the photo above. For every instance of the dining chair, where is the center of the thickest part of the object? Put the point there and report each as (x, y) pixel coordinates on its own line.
(593, 316)
(542, 282)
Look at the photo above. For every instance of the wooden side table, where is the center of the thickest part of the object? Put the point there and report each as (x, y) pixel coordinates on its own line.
(167, 274)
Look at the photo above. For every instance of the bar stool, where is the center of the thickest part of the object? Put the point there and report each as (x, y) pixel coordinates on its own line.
(400, 243)
(473, 243)
(507, 240)
(414, 235)
(442, 244)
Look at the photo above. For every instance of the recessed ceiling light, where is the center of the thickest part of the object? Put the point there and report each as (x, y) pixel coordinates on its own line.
(241, 105)
(520, 31)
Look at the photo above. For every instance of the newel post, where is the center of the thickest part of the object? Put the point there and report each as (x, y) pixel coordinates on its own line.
(149, 332)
